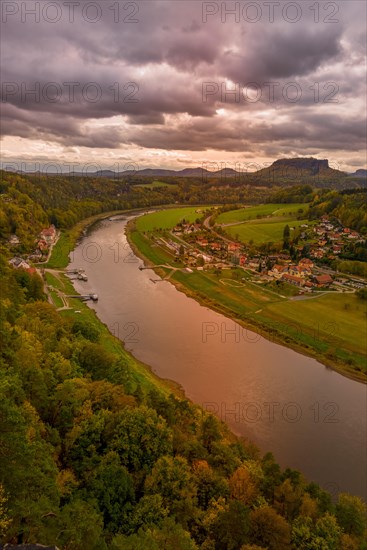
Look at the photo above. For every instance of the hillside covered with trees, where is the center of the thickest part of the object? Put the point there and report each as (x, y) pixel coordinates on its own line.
(96, 453)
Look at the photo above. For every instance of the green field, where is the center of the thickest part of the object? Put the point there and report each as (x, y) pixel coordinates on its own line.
(156, 185)
(251, 213)
(166, 219)
(339, 319)
(153, 253)
(262, 231)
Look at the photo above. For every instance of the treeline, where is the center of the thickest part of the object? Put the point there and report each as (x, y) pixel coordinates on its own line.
(36, 200)
(294, 194)
(348, 208)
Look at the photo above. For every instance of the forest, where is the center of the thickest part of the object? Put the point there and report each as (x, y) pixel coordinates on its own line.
(96, 453)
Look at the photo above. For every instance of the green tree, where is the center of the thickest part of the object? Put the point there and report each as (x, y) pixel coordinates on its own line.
(167, 537)
(148, 512)
(171, 478)
(5, 520)
(80, 526)
(231, 528)
(86, 329)
(286, 232)
(269, 529)
(351, 514)
(113, 488)
(140, 438)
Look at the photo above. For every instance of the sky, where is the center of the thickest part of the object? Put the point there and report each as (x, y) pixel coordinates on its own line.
(175, 84)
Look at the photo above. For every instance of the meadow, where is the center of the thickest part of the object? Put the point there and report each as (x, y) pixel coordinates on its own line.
(262, 231)
(157, 184)
(167, 219)
(252, 213)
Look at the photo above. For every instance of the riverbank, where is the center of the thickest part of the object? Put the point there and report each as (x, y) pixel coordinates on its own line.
(77, 310)
(212, 294)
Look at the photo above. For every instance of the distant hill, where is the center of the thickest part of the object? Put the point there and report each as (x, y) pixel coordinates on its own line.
(300, 168)
(361, 173)
(283, 172)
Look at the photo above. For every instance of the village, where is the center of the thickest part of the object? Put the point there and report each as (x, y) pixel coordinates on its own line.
(201, 247)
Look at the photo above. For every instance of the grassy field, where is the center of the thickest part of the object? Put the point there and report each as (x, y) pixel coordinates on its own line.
(251, 213)
(61, 251)
(339, 319)
(155, 254)
(166, 219)
(262, 231)
(156, 185)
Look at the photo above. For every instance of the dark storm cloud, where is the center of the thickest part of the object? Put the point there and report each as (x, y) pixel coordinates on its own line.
(167, 55)
(282, 54)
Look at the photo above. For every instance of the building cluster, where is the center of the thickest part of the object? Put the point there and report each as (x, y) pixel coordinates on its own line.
(220, 252)
(301, 275)
(332, 239)
(45, 240)
(20, 263)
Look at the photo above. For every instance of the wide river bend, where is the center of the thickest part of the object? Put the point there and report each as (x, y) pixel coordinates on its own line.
(309, 416)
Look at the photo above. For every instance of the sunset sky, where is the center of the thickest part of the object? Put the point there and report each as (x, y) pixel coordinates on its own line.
(148, 84)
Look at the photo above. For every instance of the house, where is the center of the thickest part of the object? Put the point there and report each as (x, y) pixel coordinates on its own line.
(284, 257)
(277, 271)
(42, 245)
(294, 270)
(19, 263)
(254, 264)
(306, 262)
(280, 269)
(215, 246)
(353, 235)
(300, 271)
(202, 242)
(317, 253)
(233, 247)
(319, 230)
(293, 280)
(14, 240)
(243, 260)
(337, 249)
(49, 234)
(323, 280)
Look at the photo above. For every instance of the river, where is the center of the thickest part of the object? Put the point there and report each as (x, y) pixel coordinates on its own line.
(312, 418)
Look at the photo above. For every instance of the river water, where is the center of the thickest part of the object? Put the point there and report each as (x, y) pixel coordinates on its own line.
(311, 418)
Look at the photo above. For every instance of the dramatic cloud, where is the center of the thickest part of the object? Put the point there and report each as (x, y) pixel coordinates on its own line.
(173, 83)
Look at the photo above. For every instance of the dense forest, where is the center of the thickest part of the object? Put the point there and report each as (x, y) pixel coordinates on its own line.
(95, 454)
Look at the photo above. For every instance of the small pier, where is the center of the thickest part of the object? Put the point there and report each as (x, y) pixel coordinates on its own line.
(80, 274)
(85, 297)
